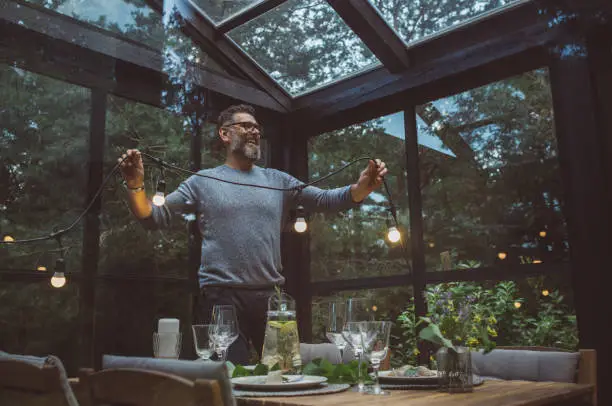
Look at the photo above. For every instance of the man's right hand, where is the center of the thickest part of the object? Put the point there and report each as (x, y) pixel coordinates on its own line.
(132, 169)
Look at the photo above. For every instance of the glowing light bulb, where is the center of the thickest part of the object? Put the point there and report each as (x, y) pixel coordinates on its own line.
(8, 238)
(42, 268)
(545, 292)
(432, 244)
(374, 308)
(537, 261)
(517, 305)
(502, 255)
(542, 233)
(159, 199)
(300, 225)
(393, 234)
(58, 280)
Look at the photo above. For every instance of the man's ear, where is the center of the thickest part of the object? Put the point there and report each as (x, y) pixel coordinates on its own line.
(224, 136)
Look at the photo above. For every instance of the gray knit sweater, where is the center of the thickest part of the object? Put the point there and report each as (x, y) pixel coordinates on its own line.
(241, 226)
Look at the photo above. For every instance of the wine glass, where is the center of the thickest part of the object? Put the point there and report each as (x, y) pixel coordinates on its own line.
(375, 336)
(222, 313)
(202, 339)
(224, 329)
(352, 332)
(335, 325)
(223, 334)
(357, 310)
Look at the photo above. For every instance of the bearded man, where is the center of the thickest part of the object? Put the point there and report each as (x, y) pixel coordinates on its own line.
(240, 225)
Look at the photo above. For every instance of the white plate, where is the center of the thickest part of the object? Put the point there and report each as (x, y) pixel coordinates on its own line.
(295, 382)
(385, 376)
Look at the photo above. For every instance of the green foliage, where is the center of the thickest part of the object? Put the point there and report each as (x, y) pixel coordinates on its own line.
(493, 320)
(340, 373)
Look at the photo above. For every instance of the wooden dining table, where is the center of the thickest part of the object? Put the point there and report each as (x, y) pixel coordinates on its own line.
(491, 393)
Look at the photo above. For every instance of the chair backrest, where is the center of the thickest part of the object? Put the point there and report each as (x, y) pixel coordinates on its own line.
(191, 370)
(32, 383)
(539, 364)
(134, 387)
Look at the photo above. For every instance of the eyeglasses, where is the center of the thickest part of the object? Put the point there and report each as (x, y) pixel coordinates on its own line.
(247, 126)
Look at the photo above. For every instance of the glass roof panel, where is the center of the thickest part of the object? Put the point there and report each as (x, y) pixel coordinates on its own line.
(220, 10)
(418, 19)
(136, 21)
(303, 44)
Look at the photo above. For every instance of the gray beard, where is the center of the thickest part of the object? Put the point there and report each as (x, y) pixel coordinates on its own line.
(241, 147)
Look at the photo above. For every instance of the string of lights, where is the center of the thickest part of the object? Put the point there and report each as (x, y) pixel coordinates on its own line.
(300, 226)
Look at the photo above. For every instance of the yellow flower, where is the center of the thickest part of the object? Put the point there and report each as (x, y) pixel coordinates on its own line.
(477, 319)
(492, 319)
(431, 358)
(472, 342)
(416, 351)
(491, 332)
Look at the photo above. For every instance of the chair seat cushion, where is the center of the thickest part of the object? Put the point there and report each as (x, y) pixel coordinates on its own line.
(551, 366)
(191, 370)
(328, 351)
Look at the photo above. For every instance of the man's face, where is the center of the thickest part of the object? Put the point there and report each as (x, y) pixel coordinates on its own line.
(244, 135)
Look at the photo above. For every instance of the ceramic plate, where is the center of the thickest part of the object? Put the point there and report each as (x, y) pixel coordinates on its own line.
(294, 382)
(385, 377)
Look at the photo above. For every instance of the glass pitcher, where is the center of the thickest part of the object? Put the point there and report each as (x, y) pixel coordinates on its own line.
(281, 340)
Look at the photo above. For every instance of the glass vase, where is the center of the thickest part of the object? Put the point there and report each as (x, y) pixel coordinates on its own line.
(455, 370)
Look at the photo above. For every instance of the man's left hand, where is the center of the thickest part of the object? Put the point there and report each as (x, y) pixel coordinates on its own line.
(370, 179)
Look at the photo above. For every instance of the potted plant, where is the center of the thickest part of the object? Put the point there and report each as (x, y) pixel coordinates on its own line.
(457, 325)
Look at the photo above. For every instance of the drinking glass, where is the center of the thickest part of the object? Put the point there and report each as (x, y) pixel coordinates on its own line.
(353, 334)
(375, 335)
(357, 310)
(335, 325)
(167, 345)
(223, 334)
(222, 313)
(202, 339)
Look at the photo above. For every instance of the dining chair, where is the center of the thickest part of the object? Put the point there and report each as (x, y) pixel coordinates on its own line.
(191, 370)
(134, 387)
(34, 381)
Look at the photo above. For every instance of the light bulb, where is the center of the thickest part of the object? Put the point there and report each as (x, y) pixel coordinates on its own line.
(300, 225)
(542, 233)
(393, 234)
(58, 280)
(502, 255)
(517, 305)
(159, 199)
(545, 292)
(8, 238)
(41, 268)
(432, 244)
(537, 261)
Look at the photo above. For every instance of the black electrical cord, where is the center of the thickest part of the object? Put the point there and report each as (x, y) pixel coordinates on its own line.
(58, 233)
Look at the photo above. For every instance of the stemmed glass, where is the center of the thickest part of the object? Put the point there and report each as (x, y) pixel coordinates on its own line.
(335, 325)
(375, 335)
(357, 310)
(224, 330)
(203, 340)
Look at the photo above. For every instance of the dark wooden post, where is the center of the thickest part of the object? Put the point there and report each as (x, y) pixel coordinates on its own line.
(586, 174)
(291, 154)
(415, 206)
(91, 229)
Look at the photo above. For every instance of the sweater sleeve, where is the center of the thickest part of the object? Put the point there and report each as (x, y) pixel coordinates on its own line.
(177, 202)
(315, 199)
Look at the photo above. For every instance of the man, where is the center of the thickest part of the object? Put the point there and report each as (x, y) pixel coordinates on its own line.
(240, 225)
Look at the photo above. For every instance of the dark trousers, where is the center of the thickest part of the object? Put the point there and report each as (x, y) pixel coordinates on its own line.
(251, 306)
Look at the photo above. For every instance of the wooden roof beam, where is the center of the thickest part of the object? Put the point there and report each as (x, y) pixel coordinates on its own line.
(363, 18)
(205, 34)
(124, 60)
